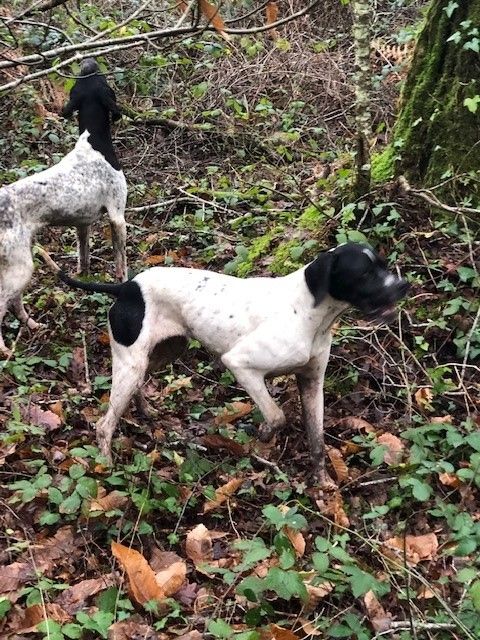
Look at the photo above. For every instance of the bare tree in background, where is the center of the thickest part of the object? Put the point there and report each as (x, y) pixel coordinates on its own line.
(362, 11)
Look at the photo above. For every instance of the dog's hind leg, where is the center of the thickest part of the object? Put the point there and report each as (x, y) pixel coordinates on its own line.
(3, 311)
(21, 313)
(164, 352)
(14, 277)
(119, 240)
(129, 365)
(116, 215)
(83, 236)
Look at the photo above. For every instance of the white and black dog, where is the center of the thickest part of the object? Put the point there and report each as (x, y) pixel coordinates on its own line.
(258, 326)
(77, 191)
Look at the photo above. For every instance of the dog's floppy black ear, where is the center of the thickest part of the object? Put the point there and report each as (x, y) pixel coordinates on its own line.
(317, 276)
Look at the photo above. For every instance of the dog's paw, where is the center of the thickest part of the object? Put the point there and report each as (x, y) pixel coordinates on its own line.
(145, 408)
(322, 480)
(265, 432)
(5, 352)
(33, 325)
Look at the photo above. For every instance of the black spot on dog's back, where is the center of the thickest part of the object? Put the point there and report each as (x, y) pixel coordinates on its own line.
(126, 315)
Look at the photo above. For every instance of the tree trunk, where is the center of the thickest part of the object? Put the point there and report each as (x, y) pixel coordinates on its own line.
(362, 13)
(436, 135)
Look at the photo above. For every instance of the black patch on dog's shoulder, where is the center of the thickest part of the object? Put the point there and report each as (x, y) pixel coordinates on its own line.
(317, 277)
(126, 315)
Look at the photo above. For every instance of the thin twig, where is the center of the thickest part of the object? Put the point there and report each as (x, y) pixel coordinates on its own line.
(432, 199)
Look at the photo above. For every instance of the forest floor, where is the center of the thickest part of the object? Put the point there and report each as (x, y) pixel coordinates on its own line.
(199, 529)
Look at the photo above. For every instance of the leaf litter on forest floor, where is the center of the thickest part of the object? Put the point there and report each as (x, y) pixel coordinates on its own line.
(415, 548)
(144, 583)
(222, 494)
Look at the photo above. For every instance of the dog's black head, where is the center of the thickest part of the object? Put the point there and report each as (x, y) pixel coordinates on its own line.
(89, 66)
(355, 274)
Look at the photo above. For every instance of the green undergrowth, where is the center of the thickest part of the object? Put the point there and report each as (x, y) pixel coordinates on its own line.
(257, 189)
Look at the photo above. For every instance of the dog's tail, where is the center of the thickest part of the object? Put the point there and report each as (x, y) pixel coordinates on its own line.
(92, 287)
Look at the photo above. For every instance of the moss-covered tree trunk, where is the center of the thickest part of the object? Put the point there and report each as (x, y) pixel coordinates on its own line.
(436, 133)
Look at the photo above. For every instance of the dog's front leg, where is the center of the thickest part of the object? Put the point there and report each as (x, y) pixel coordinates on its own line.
(253, 382)
(310, 384)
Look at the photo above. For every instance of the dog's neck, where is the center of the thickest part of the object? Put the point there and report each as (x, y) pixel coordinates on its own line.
(321, 316)
(100, 138)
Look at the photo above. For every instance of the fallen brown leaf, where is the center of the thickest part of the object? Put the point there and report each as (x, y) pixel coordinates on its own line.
(64, 545)
(171, 579)
(441, 419)
(14, 575)
(332, 505)
(379, 618)
(141, 577)
(315, 594)
(222, 494)
(425, 593)
(76, 368)
(417, 548)
(26, 620)
(351, 422)
(191, 635)
(338, 464)
(280, 633)
(309, 628)
(131, 630)
(57, 408)
(108, 501)
(176, 385)
(199, 546)
(297, 540)
(36, 415)
(215, 441)
(449, 480)
(424, 397)
(271, 14)
(187, 594)
(210, 11)
(7, 450)
(160, 259)
(393, 454)
(233, 411)
(104, 338)
(73, 599)
(295, 537)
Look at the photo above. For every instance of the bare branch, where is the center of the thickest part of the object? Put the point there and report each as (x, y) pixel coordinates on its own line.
(140, 39)
(432, 199)
(39, 7)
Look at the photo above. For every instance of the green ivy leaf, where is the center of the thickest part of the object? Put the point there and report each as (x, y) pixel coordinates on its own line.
(5, 606)
(48, 518)
(450, 8)
(472, 103)
(71, 504)
(220, 629)
(475, 594)
(76, 471)
(286, 584)
(360, 581)
(55, 495)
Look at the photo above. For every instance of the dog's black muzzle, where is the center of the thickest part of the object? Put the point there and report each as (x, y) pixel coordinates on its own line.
(383, 305)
